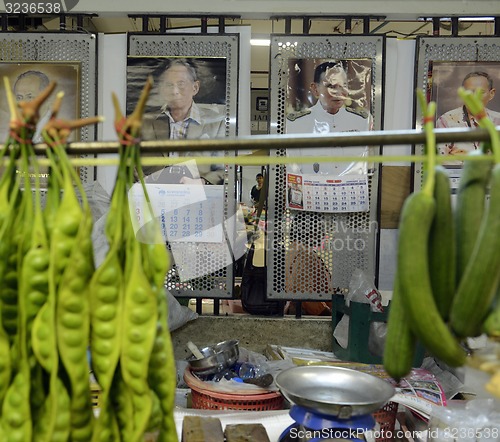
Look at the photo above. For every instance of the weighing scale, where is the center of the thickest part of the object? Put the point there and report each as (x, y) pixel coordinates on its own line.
(311, 426)
(331, 403)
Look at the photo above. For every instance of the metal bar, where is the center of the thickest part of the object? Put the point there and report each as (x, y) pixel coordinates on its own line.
(62, 22)
(454, 26)
(216, 306)
(79, 21)
(145, 23)
(204, 25)
(328, 17)
(5, 22)
(306, 25)
(163, 24)
(222, 25)
(298, 309)
(348, 25)
(436, 21)
(288, 141)
(366, 25)
(22, 23)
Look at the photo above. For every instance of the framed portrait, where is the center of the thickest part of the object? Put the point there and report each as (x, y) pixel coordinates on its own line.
(327, 96)
(354, 95)
(28, 79)
(302, 100)
(445, 78)
(443, 65)
(211, 75)
(215, 59)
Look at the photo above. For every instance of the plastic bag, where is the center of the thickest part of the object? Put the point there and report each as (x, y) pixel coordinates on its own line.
(476, 421)
(178, 315)
(363, 290)
(255, 365)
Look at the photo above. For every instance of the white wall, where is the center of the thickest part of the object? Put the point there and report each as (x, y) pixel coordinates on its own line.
(398, 115)
(399, 91)
(111, 77)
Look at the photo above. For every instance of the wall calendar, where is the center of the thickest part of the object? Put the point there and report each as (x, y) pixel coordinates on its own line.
(186, 212)
(327, 193)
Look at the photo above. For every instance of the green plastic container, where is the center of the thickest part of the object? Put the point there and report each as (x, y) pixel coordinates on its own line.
(360, 318)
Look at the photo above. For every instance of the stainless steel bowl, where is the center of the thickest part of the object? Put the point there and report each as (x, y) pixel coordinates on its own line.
(216, 358)
(334, 391)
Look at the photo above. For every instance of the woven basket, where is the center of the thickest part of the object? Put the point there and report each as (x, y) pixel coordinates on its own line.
(207, 398)
(386, 420)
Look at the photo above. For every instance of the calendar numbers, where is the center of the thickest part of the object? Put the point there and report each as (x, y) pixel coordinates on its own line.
(183, 215)
(347, 193)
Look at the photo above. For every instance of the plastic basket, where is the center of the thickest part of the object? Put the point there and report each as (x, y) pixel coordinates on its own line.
(209, 400)
(386, 421)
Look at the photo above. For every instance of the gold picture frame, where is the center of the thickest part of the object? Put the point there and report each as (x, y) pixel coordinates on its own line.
(65, 74)
(27, 80)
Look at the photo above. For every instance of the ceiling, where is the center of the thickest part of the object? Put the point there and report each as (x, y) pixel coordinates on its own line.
(265, 9)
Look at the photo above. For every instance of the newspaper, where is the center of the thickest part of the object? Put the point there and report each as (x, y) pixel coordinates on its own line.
(420, 391)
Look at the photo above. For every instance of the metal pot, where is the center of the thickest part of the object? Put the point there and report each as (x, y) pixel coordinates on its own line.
(216, 358)
(334, 391)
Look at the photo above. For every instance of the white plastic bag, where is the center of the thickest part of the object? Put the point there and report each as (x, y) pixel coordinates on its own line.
(363, 290)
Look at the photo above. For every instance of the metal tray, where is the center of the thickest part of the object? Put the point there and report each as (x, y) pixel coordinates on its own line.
(216, 358)
(334, 391)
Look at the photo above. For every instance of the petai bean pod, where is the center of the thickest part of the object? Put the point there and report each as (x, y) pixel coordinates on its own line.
(5, 364)
(67, 223)
(53, 424)
(162, 370)
(16, 413)
(122, 402)
(72, 326)
(139, 319)
(106, 288)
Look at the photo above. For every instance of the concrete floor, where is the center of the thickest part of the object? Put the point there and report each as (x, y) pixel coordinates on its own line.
(254, 332)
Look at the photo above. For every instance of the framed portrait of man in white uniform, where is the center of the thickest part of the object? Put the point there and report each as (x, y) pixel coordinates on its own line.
(327, 96)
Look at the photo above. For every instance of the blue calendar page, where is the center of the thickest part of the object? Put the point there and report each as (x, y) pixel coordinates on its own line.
(186, 212)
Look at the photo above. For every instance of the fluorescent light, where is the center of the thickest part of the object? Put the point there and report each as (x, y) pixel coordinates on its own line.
(446, 19)
(260, 42)
(476, 18)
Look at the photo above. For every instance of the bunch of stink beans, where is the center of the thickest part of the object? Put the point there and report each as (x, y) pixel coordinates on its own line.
(447, 282)
(56, 308)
